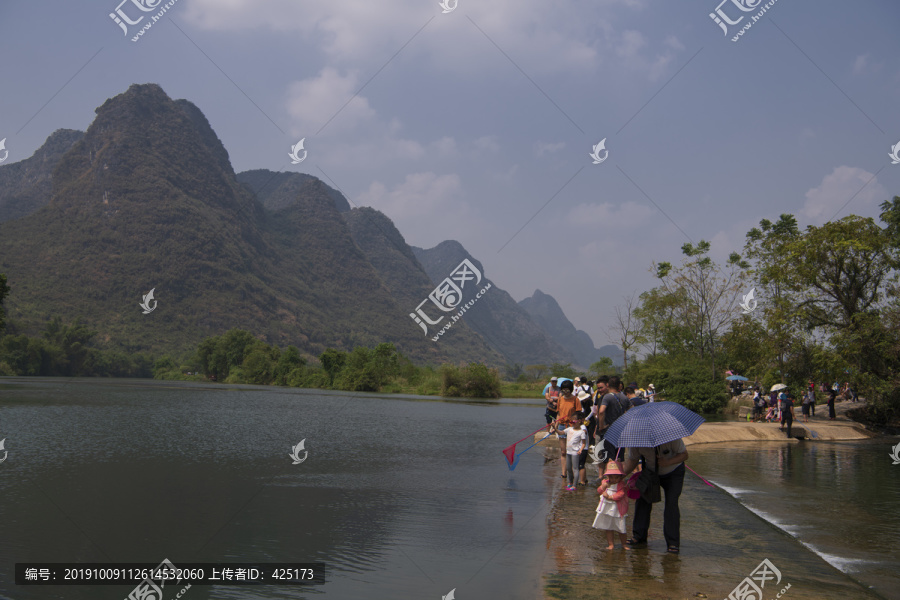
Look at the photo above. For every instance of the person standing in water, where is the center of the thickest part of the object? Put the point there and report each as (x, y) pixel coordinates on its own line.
(567, 404)
(551, 394)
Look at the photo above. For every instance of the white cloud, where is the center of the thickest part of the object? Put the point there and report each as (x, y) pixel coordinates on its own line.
(542, 37)
(837, 189)
(312, 102)
(420, 194)
(542, 148)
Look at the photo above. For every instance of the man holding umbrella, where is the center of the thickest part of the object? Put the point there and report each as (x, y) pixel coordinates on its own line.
(653, 433)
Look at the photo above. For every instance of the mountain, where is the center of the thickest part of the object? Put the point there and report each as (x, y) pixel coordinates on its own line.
(547, 313)
(277, 190)
(147, 199)
(401, 273)
(505, 325)
(25, 185)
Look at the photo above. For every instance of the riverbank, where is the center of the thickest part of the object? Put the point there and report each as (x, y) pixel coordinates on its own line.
(721, 543)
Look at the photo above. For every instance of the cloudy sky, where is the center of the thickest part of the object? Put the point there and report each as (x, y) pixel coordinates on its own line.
(477, 124)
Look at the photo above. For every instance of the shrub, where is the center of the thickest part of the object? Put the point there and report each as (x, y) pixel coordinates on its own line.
(473, 381)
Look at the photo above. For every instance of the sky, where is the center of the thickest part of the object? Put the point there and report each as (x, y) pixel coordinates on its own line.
(477, 124)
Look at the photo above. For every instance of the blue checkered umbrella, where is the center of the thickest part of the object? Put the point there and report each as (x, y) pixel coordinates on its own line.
(653, 424)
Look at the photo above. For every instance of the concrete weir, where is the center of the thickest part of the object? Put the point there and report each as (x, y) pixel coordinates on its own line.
(819, 430)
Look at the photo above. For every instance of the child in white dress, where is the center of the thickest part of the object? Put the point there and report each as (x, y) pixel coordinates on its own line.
(613, 505)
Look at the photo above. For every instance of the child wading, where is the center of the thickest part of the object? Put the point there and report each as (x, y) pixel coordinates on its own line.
(576, 441)
(613, 505)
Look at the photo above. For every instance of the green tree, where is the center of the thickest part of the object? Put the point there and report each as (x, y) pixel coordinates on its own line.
(332, 362)
(604, 366)
(708, 295)
(259, 364)
(563, 370)
(288, 362)
(536, 372)
(777, 283)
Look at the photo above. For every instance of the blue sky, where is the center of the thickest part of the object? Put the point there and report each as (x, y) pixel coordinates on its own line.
(472, 122)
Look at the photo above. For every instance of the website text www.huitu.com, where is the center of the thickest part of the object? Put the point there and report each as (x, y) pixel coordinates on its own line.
(154, 19)
(458, 315)
(754, 19)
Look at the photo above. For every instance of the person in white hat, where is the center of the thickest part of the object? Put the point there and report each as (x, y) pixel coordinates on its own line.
(651, 393)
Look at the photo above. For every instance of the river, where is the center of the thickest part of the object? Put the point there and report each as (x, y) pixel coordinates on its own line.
(399, 497)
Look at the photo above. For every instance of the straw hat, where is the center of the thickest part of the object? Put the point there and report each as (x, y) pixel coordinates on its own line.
(613, 468)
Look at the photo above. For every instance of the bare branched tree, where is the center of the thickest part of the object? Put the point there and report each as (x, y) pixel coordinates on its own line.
(626, 329)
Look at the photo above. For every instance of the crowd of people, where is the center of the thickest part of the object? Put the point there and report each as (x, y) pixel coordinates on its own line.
(579, 412)
(778, 406)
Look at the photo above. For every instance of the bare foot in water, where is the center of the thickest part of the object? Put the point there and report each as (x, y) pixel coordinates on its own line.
(610, 547)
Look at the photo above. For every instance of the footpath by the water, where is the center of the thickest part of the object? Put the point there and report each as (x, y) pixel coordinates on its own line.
(722, 542)
(819, 428)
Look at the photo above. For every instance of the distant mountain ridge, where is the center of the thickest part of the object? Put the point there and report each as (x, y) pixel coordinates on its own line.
(147, 198)
(547, 313)
(497, 317)
(25, 186)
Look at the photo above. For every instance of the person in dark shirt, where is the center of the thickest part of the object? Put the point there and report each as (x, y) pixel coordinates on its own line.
(787, 412)
(612, 406)
(633, 397)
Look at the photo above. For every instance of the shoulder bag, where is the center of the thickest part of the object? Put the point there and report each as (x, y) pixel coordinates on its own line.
(648, 483)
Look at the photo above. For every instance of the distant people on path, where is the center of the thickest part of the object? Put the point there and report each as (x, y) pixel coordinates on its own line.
(576, 442)
(567, 404)
(812, 402)
(831, 397)
(612, 406)
(759, 403)
(804, 408)
(668, 461)
(613, 506)
(787, 412)
(770, 415)
(551, 394)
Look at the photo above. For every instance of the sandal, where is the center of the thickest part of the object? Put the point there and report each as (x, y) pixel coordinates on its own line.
(672, 550)
(632, 543)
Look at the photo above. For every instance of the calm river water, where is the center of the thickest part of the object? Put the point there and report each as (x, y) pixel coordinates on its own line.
(398, 498)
